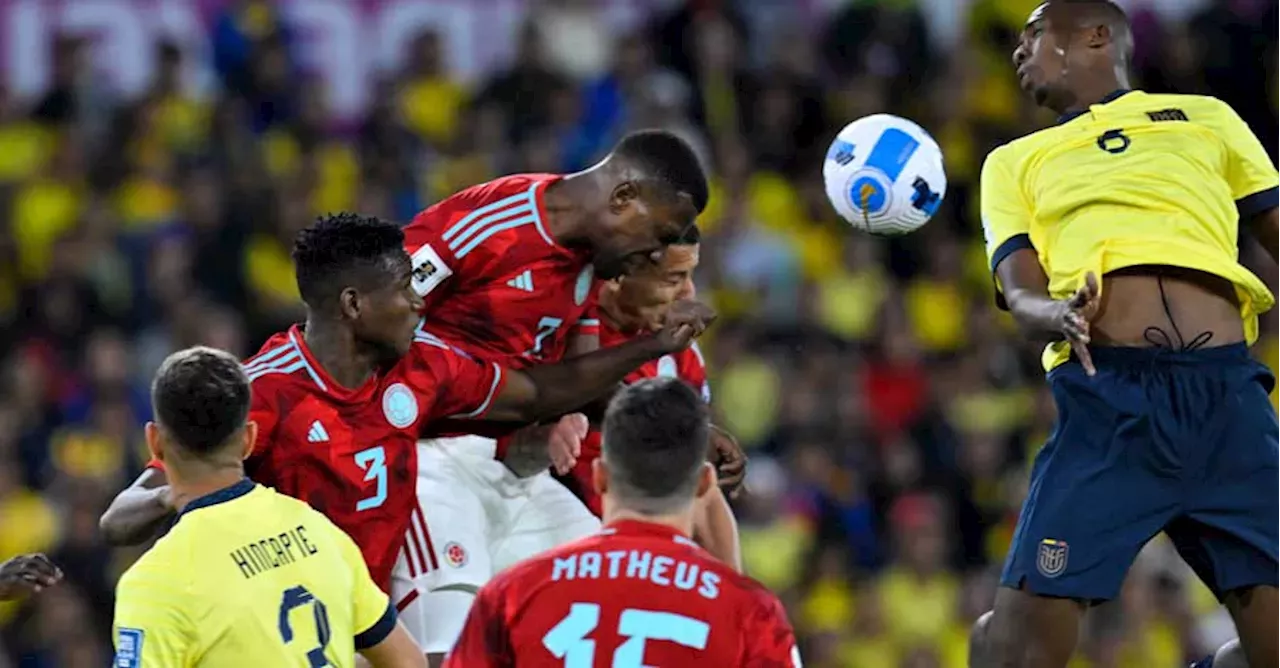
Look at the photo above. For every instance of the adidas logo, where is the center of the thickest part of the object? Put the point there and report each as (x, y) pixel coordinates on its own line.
(317, 434)
(522, 282)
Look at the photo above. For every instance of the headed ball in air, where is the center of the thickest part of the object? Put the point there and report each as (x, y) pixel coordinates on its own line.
(884, 175)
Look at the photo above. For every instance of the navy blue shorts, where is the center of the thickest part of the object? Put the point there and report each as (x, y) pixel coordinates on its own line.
(1180, 442)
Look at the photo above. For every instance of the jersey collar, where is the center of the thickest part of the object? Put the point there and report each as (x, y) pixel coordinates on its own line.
(321, 375)
(221, 496)
(1072, 115)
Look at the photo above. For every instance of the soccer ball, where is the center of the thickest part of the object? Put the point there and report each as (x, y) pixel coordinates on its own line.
(884, 175)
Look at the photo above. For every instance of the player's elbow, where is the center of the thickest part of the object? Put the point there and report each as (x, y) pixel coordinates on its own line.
(114, 529)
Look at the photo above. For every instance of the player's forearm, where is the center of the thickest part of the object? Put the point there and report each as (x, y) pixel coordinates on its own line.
(526, 451)
(136, 515)
(571, 384)
(1037, 315)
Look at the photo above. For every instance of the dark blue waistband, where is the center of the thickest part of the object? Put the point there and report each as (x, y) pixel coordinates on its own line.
(1122, 355)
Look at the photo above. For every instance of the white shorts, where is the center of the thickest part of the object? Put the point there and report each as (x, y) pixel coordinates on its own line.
(475, 519)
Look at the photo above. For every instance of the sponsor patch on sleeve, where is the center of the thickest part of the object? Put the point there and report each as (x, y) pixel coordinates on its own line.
(128, 648)
(429, 270)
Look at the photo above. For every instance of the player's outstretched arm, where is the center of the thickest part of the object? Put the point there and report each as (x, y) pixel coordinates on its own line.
(138, 513)
(397, 650)
(549, 390)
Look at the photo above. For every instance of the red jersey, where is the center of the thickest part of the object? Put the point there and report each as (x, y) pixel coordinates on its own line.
(351, 453)
(686, 365)
(637, 594)
(494, 282)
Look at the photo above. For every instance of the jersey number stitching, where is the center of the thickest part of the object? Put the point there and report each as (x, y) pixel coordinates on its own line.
(568, 639)
(546, 327)
(296, 598)
(1114, 141)
(374, 463)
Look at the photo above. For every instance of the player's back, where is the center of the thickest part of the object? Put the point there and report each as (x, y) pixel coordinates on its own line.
(249, 577)
(638, 594)
(493, 280)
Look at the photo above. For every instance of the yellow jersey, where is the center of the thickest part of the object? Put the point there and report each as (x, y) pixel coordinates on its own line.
(249, 577)
(1136, 179)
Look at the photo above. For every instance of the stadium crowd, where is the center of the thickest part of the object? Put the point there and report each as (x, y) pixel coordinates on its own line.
(889, 411)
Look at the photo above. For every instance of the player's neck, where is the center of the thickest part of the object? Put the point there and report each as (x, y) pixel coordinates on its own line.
(1094, 92)
(681, 522)
(335, 349)
(201, 480)
(566, 221)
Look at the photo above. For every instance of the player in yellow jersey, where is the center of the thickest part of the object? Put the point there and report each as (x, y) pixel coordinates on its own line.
(246, 577)
(1116, 232)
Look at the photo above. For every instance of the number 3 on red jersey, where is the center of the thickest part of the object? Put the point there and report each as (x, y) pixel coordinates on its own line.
(568, 639)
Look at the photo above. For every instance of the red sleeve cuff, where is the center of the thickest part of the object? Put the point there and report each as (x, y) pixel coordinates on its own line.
(587, 327)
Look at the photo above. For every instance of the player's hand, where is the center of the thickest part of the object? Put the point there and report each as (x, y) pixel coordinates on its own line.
(730, 461)
(564, 443)
(27, 574)
(1077, 312)
(686, 320)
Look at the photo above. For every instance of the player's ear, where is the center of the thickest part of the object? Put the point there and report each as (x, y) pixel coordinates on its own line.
(624, 195)
(706, 480)
(349, 303)
(250, 437)
(1099, 36)
(599, 476)
(152, 433)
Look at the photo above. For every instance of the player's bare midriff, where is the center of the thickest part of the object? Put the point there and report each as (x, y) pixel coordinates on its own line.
(1148, 305)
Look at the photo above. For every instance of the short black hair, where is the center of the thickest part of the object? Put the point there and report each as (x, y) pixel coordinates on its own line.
(669, 161)
(655, 443)
(340, 250)
(201, 399)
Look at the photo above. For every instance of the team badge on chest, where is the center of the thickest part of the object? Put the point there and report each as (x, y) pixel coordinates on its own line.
(455, 555)
(583, 286)
(399, 406)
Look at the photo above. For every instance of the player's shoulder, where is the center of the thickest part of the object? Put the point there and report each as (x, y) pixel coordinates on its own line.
(1006, 155)
(276, 508)
(1189, 105)
(283, 505)
(165, 567)
(279, 362)
(509, 190)
(754, 594)
(433, 354)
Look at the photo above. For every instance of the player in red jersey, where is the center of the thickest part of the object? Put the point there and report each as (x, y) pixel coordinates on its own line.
(340, 403)
(508, 269)
(634, 305)
(640, 593)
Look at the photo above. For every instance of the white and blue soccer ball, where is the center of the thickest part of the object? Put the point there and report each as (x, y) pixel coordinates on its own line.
(884, 175)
